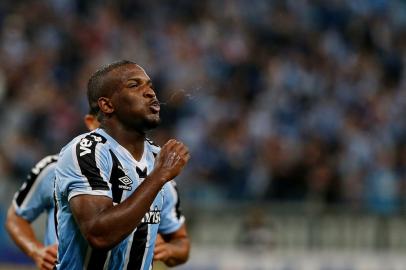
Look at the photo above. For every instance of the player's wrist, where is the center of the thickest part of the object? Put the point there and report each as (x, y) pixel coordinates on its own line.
(34, 250)
(159, 177)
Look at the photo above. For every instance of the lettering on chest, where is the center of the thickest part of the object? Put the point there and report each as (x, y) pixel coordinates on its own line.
(152, 217)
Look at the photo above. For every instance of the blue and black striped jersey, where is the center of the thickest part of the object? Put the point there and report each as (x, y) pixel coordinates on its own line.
(36, 196)
(95, 164)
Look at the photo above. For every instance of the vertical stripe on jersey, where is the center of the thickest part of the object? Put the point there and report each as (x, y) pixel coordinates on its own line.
(32, 177)
(138, 246)
(106, 264)
(128, 249)
(138, 250)
(116, 173)
(86, 155)
(177, 206)
(97, 259)
(55, 213)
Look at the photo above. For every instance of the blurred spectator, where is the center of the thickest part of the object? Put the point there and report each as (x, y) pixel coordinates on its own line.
(256, 233)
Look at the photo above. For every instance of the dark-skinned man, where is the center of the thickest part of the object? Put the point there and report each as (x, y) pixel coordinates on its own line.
(110, 183)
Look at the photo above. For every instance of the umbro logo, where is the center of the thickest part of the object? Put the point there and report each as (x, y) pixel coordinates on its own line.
(126, 183)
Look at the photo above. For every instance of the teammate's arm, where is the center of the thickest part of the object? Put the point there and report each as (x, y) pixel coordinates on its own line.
(173, 249)
(23, 235)
(105, 225)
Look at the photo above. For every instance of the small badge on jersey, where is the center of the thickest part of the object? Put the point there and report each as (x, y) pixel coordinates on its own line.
(126, 183)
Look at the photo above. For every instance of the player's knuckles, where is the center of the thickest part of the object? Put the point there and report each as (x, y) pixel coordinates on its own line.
(180, 146)
(182, 160)
(49, 267)
(49, 261)
(186, 158)
(185, 154)
(160, 254)
(46, 265)
(183, 146)
(52, 253)
(170, 141)
(158, 249)
(184, 150)
(166, 146)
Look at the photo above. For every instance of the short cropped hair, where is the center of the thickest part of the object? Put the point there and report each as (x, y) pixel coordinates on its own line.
(97, 87)
(93, 110)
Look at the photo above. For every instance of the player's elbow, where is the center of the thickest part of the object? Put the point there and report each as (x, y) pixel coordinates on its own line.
(182, 257)
(10, 223)
(7, 226)
(172, 262)
(99, 242)
(100, 237)
(186, 252)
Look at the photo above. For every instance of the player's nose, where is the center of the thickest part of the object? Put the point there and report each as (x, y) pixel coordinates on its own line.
(149, 93)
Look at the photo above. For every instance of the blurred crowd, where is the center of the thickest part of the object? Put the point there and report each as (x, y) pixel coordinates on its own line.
(280, 101)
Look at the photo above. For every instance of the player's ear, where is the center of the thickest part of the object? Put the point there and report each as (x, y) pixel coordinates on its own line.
(91, 122)
(105, 105)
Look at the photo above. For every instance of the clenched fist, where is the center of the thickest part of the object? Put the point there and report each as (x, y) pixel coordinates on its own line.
(45, 257)
(171, 159)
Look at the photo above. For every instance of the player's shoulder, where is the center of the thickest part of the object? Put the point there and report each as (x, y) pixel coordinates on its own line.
(92, 137)
(44, 163)
(155, 148)
(86, 140)
(81, 146)
(88, 143)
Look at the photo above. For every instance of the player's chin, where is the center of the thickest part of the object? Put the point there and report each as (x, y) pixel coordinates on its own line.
(152, 121)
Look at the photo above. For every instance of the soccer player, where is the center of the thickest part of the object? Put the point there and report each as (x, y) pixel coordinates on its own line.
(111, 183)
(35, 197)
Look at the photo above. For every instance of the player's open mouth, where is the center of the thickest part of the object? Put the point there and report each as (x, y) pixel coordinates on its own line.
(155, 106)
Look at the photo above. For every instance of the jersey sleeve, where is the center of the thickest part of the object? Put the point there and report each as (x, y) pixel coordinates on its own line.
(171, 215)
(36, 194)
(84, 168)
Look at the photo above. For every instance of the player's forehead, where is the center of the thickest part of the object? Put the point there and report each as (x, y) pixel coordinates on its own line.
(133, 71)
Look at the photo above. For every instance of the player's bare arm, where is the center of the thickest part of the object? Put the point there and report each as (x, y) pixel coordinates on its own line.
(105, 225)
(23, 235)
(173, 249)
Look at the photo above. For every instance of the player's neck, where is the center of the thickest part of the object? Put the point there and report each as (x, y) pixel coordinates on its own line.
(132, 140)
